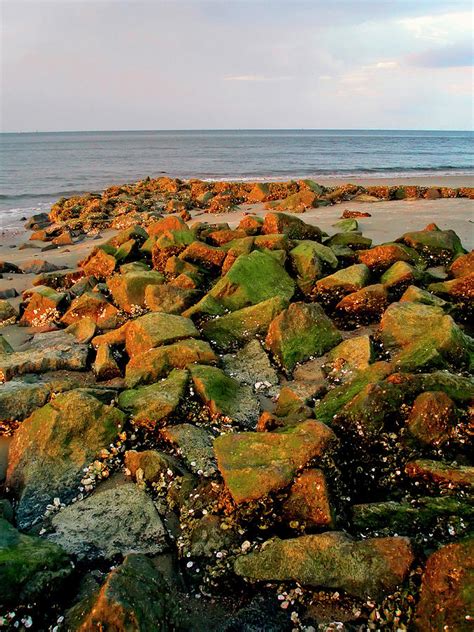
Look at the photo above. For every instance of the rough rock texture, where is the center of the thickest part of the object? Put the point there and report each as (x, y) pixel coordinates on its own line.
(94, 306)
(155, 329)
(432, 418)
(194, 445)
(51, 448)
(253, 464)
(128, 290)
(252, 366)
(308, 500)
(447, 589)
(112, 522)
(368, 568)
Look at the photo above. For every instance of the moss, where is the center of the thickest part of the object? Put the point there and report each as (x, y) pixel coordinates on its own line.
(346, 225)
(350, 239)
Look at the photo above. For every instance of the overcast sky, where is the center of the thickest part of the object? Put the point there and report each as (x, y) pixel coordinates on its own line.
(110, 64)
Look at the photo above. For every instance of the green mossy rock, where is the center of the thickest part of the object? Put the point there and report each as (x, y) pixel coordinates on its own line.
(292, 227)
(254, 464)
(417, 295)
(31, 569)
(346, 225)
(300, 332)
(252, 279)
(150, 405)
(19, 399)
(436, 246)
(307, 265)
(332, 288)
(460, 289)
(333, 560)
(154, 364)
(298, 202)
(8, 313)
(194, 445)
(441, 474)
(50, 449)
(380, 258)
(244, 324)
(134, 596)
(225, 396)
(364, 306)
(432, 419)
(349, 357)
(352, 240)
(156, 329)
(170, 299)
(128, 290)
(400, 274)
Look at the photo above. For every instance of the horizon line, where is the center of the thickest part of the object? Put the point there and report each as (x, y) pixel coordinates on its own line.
(240, 129)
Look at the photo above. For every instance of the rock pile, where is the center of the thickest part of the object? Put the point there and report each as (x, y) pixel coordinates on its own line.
(211, 423)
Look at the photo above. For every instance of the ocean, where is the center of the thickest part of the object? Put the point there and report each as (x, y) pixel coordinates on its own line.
(38, 168)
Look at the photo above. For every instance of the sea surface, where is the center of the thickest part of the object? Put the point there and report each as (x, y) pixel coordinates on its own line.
(38, 168)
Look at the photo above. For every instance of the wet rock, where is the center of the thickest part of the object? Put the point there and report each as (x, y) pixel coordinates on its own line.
(155, 329)
(346, 225)
(367, 568)
(331, 289)
(460, 289)
(399, 276)
(432, 418)
(39, 266)
(436, 246)
(19, 399)
(363, 306)
(37, 221)
(52, 351)
(422, 335)
(92, 306)
(83, 330)
(8, 313)
(208, 538)
(381, 258)
(308, 501)
(298, 202)
(5, 346)
(417, 295)
(169, 298)
(170, 244)
(194, 445)
(150, 465)
(31, 569)
(8, 293)
(154, 364)
(440, 473)
(100, 263)
(42, 307)
(243, 324)
(251, 224)
(292, 227)
(252, 279)
(50, 449)
(252, 366)
(409, 517)
(128, 290)
(351, 240)
(115, 521)
(254, 464)
(446, 590)
(150, 405)
(349, 357)
(299, 332)
(105, 365)
(462, 265)
(307, 265)
(210, 257)
(225, 396)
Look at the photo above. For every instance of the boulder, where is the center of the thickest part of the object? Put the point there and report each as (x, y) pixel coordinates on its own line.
(459, 289)
(251, 365)
(8, 313)
(225, 396)
(254, 464)
(243, 324)
(100, 263)
(169, 298)
(105, 365)
(134, 596)
(299, 332)
(307, 265)
(83, 330)
(128, 290)
(116, 521)
(156, 329)
(381, 258)
(435, 246)
(210, 257)
(252, 279)
(417, 295)
(154, 364)
(297, 202)
(367, 568)
(38, 266)
(150, 465)
(251, 224)
(446, 590)
(50, 449)
(399, 276)
(42, 307)
(349, 357)
(19, 399)
(441, 474)
(462, 265)
(331, 289)
(351, 240)
(308, 501)
(94, 307)
(346, 225)
(150, 405)
(9, 268)
(52, 351)
(432, 419)
(363, 306)
(292, 227)
(194, 445)
(31, 569)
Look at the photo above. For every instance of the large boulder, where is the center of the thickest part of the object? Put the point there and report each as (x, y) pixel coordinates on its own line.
(100, 263)
(307, 265)
(297, 202)
(292, 227)
(331, 289)
(380, 258)
(93, 306)
(436, 246)
(169, 298)
(252, 279)
(308, 501)
(194, 445)
(432, 418)
(367, 568)
(151, 365)
(254, 464)
(156, 329)
(150, 405)
(446, 595)
(225, 396)
(42, 307)
(300, 332)
(128, 290)
(134, 596)
(19, 399)
(8, 313)
(363, 306)
(244, 324)
(52, 351)
(115, 521)
(50, 449)
(31, 569)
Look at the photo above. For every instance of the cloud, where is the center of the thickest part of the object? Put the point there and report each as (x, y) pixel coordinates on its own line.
(255, 78)
(439, 28)
(456, 56)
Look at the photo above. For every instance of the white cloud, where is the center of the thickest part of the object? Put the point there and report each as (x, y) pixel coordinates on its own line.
(439, 28)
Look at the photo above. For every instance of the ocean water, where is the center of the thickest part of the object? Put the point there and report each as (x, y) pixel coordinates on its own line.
(38, 168)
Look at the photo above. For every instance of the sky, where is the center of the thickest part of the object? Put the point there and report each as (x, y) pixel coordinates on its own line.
(230, 64)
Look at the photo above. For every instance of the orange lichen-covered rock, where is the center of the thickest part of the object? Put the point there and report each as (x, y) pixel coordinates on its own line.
(94, 306)
(308, 500)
